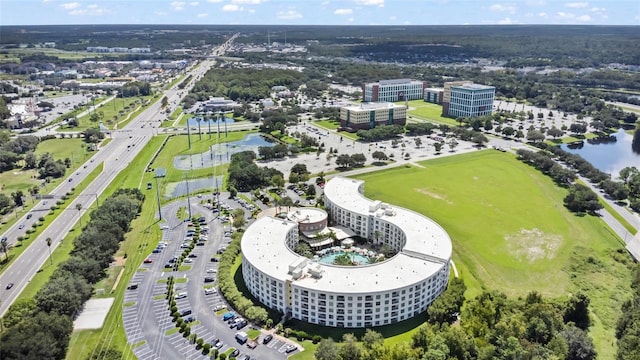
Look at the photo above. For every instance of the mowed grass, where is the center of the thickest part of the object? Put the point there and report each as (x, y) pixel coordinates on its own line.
(510, 231)
(428, 111)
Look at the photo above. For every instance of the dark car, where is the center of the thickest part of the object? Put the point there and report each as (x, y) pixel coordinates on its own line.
(185, 312)
(29, 215)
(192, 255)
(9, 286)
(189, 319)
(209, 279)
(235, 353)
(215, 259)
(267, 339)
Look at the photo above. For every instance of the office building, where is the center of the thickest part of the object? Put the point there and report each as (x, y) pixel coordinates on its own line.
(370, 115)
(393, 90)
(466, 99)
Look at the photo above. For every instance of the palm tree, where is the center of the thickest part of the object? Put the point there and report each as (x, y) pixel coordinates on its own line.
(199, 119)
(48, 240)
(5, 247)
(79, 207)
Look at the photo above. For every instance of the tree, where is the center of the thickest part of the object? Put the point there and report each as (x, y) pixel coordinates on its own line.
(343, 160)
(18, 197)
(48, 242)
(30, 160)
(79, 207)
(6, 204)
(379, 156)
(358, 159)
(452, 144)
(42, 336)
(165, 102)
(555, 132)
(479, 139)
(580, 344)
(327, 350)
(582, 199)
(418, 142)
(350, 350)
(577, 128)
(577, 311)
(438, 146)
(372, 338)
(535, 136)
(311, 190)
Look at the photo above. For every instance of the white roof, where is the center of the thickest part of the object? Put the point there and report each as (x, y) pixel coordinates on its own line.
(428, 247)
(307, 215)
(373, 106)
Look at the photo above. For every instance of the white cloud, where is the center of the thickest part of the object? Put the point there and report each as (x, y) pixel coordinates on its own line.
(92, 6)
(571, 16)
(194, 3)
(161, 13)
(248, 2)
(507, 21)
(380, 3)
(70, 6)
(324, 3)
(503, 8)
(577, 5)
(406, 23)
(232, 7)
(584, 18)
(350, 19)
(214, 1)
(202, 15)
(543, 14)
(91, 10)
(392, 18)
(343, 12)
(597, 9)
(252, 11)
(289, 15)
(177, 5)
(536, 2)
(46, 1)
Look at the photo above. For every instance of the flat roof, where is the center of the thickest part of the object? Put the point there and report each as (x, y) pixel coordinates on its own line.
(373, 106)
(473, 87)
(428, 247)
(307, 215)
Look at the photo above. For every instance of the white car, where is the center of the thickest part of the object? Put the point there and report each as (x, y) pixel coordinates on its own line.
(211, 271)
(209, 291)
(188, 260)
(181, 295)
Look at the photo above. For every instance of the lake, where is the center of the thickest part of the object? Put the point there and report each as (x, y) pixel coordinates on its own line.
(609, 154)
(220, 154)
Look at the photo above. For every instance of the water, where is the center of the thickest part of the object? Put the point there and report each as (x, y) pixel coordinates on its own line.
(193, 122)
(221, 153)
(610, 154)
(328, 259)
(176, 189)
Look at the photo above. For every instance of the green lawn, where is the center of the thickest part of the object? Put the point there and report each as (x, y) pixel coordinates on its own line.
(510, 231)
(112, 112)
(427, 111)
(333, 125)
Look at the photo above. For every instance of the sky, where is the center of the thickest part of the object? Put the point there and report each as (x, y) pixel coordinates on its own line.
(319, 12)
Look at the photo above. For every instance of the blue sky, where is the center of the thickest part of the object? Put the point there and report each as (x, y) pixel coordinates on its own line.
(319, 12)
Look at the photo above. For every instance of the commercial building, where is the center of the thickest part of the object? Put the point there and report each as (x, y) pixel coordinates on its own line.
(370, 115)
(466, 99)
(372, 294)
(393, 90)
(434, 95)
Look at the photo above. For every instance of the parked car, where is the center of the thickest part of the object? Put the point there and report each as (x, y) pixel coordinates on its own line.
(267, 339)
(148, 261)
(181, 295)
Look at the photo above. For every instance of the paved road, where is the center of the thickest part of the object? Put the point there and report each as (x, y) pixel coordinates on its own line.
(116, 156)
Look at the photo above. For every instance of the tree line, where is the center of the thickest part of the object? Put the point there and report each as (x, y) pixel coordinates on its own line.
(489, 326)
(39, 328)
(245, 175)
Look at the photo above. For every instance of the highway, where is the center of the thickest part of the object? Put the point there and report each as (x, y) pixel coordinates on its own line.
(116, 155)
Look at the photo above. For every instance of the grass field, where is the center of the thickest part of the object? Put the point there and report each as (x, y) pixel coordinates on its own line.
(428, 111)
(113, 111)
(510, 231)
(333, 125)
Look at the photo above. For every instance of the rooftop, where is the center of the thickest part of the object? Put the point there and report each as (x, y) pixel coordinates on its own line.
(428, 247)
(373, 106)
(473, 87)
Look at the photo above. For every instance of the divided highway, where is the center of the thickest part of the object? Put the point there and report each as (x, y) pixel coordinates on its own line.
(116, 155)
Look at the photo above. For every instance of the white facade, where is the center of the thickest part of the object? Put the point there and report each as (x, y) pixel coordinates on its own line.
(349, 296)
(393, 90)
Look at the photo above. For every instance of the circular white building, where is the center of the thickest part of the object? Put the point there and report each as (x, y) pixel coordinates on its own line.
(370, 295)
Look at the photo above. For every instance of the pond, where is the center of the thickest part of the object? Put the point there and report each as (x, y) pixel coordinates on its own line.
(609, 154)
(193, 122)
(220, 154)
(176, 189)
(355, 257)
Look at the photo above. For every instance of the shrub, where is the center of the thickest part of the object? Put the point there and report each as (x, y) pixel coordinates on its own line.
(316, 339)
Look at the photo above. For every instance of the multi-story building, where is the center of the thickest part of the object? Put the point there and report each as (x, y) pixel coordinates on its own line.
(393, 90)
(375, 294)
(466, 99)
(434, 95)
(370, 115)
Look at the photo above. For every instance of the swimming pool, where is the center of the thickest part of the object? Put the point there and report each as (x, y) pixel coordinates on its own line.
(329, 258)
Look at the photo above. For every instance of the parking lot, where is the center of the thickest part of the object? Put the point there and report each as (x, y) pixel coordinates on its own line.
(147, 321)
